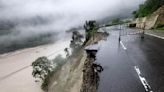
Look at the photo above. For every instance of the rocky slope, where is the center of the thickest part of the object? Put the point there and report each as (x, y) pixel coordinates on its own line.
(152, 21)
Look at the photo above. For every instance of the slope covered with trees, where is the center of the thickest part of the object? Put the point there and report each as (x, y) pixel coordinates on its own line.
(148, 7)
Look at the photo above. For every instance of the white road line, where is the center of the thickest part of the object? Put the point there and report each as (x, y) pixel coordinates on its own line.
(123, 46)
(155, 36)
(143, 80)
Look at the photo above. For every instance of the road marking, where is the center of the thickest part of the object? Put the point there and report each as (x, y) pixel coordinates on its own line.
(143, 80)
(155, 36)
(123, 46)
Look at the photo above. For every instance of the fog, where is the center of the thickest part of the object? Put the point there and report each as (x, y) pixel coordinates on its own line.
(22, 19)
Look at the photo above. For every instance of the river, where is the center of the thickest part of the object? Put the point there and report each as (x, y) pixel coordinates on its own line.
(16, 70)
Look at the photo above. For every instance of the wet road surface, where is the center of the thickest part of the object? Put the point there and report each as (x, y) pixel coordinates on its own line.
(134, 65)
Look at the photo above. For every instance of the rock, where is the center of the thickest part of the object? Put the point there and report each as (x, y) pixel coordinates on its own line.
(151, 21)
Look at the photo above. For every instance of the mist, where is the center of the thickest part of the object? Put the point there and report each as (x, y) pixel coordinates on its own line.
(23, 19)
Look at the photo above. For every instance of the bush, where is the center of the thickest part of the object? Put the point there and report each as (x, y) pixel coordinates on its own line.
(76, 41)
(59, 61)
(44, 69)
(41, 68)
(91, 28)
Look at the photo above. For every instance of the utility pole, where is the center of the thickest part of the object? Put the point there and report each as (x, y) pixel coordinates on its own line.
(119, 39)
(143, 30)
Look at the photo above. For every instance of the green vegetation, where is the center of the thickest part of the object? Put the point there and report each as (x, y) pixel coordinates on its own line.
(160, 27)
(90, 29)
(76, 41)
(43, 69)
(58, 62)
(116, 21)
(147, 8)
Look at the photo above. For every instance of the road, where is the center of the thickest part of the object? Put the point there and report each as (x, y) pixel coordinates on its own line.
(132, 65)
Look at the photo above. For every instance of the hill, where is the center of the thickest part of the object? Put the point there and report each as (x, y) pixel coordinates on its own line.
(147, 8)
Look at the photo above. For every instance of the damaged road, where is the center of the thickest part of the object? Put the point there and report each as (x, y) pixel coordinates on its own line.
(77, 74)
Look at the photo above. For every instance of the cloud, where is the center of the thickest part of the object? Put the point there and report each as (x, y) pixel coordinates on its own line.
(66, 12)
(26, 18)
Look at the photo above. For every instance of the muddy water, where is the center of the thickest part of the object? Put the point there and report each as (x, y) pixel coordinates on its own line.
(15, 69)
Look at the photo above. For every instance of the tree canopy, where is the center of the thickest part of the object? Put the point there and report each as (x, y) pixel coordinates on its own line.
(147, 8)
(91, 28)
(76, 41)
(42, 67)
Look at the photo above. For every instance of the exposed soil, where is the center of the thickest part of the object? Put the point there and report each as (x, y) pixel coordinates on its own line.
(90, 77)
(90, 80)
(69, 77)
(77, 74)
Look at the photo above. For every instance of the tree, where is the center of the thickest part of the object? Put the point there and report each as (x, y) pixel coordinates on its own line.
(91, 28)
(147, 8)
(42, 67)
(76, 41)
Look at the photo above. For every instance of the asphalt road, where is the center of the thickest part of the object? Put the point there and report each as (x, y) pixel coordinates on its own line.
(132, 65)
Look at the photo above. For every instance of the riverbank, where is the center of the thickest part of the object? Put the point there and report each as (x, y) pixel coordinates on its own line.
(70, 78)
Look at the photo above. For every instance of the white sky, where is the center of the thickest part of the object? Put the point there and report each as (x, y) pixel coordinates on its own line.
(65, 14)
(60, 14)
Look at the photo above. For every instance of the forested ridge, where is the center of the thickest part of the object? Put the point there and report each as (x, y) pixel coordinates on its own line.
(147, 8)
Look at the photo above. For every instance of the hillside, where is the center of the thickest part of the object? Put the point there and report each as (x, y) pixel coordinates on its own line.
(152, 21)
(147, 8)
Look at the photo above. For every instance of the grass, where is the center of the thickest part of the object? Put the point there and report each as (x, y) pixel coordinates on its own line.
(161, 28)
(158, 28)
